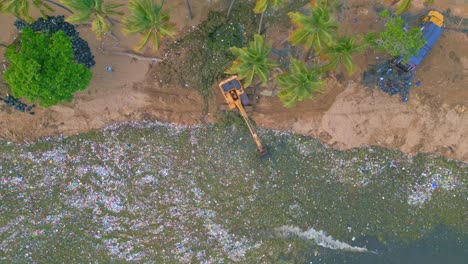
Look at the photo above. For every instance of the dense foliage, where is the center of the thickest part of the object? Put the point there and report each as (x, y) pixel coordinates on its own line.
(81, 50)
(396, 40)
(252, 61)
(42, 68)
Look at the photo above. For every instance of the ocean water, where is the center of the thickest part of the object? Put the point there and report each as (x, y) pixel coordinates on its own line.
(442, 245)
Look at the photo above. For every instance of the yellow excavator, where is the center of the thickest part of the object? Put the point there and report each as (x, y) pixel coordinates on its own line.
(236, 97)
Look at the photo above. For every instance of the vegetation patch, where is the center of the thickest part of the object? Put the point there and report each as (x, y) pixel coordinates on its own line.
(200, 58)
(396, 39)
(42, 68)
(81, 50)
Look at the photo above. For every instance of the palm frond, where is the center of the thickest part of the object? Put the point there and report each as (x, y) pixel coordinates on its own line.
(86, 9)
(148, 19)
(252, 61)
(342, 52)
(313, 31)
(20, 8)
(298, 84)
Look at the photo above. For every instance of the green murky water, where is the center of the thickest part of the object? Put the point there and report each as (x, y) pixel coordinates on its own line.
(164, 194)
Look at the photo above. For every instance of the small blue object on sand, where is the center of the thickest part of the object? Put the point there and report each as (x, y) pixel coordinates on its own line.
(109, 69)
(417, 83)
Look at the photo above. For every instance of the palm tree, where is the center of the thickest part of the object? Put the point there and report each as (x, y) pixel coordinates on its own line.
(20, 8)
(298, 84)
(314, 31)
(148, 19)
(85, 9)
(262, 5)
(342, 52)
(252, 60)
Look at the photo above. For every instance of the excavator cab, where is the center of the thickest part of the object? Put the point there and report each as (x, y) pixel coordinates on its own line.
(236, 97)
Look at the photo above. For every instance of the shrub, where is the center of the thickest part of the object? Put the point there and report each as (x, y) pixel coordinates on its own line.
(42, 68)
(81, 50)
(396, 40)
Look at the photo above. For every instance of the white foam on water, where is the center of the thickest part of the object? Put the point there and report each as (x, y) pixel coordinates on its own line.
(319, 237)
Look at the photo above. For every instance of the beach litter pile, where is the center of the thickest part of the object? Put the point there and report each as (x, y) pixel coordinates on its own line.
(153, 192)
(389, 79)
(17, 104)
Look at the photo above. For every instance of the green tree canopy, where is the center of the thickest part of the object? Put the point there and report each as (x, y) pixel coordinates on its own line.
(315, 30)
(395, 40)
(148, 19)
(85, 9)
(342, 52)
(252, 60)
(42, 68)
(299, 83)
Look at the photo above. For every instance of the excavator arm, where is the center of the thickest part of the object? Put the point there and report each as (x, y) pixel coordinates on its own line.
(234, 94)
(260, 147)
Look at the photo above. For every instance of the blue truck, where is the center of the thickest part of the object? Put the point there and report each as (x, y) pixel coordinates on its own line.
(432, 29)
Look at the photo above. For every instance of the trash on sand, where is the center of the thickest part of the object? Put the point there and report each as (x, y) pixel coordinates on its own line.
(389, 80)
